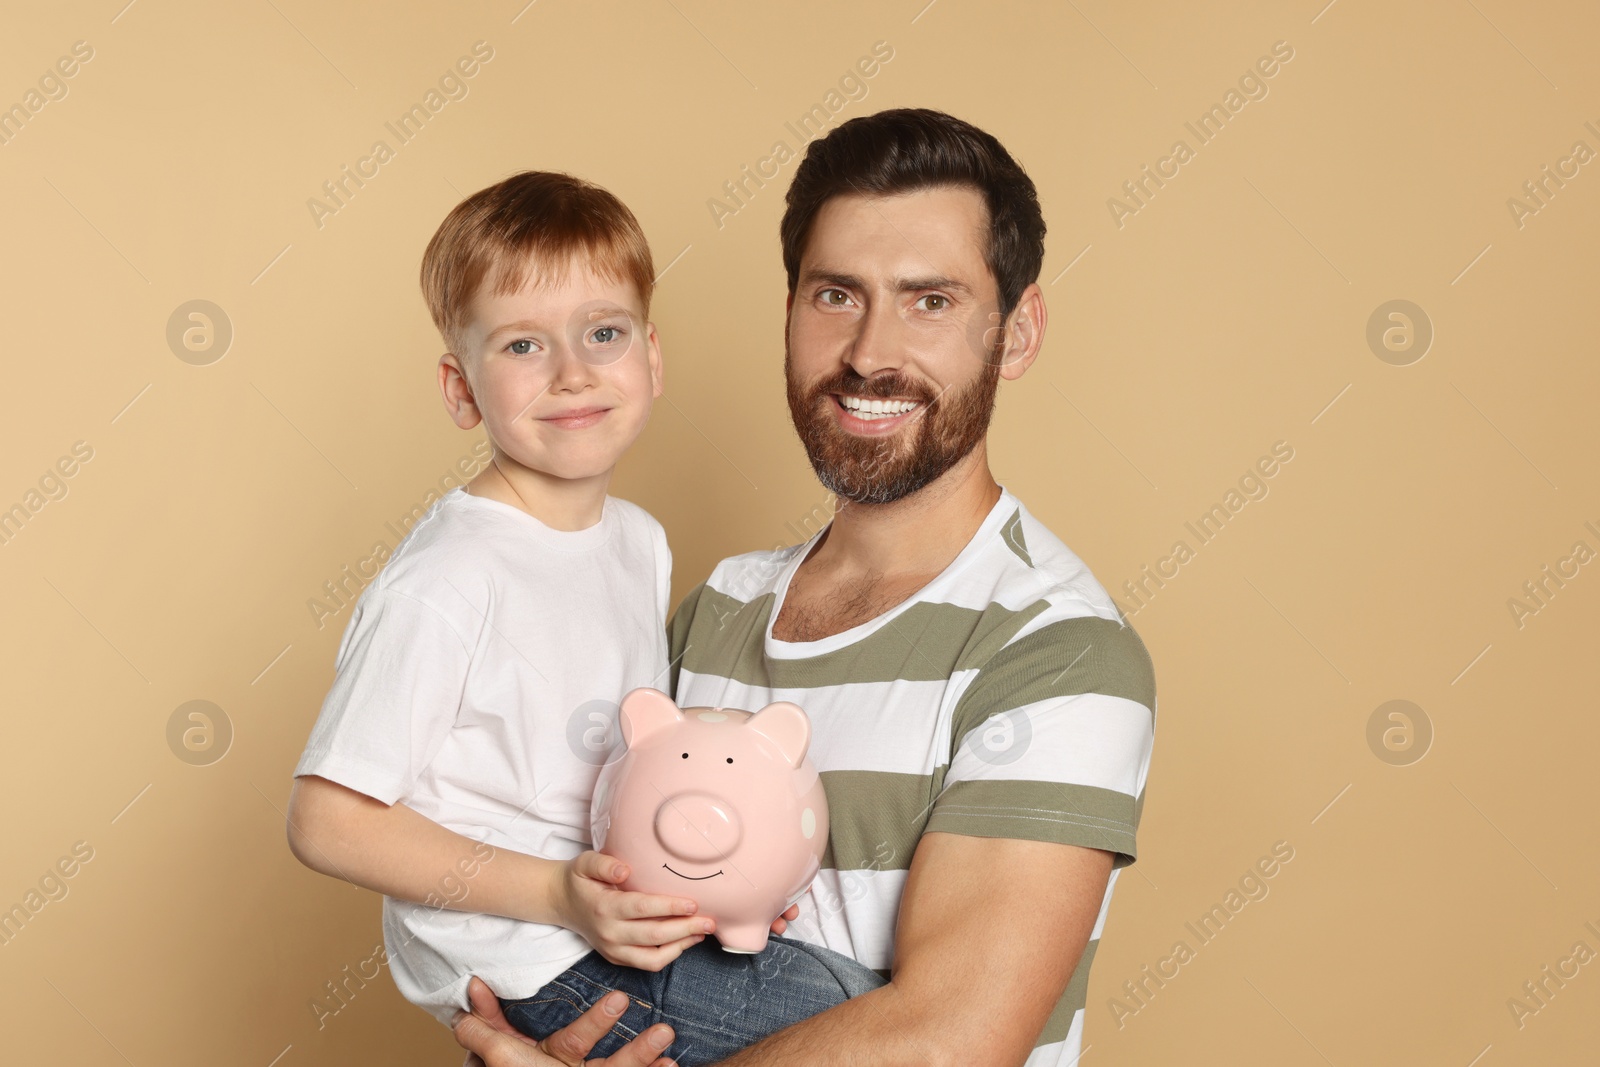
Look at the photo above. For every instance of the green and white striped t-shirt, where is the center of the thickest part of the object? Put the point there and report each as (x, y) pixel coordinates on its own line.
(1007, 698)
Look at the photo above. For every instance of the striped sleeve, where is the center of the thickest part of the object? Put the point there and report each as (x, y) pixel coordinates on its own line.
(1051, 740)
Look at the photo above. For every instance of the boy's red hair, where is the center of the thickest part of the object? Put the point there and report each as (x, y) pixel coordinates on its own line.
(535, 220)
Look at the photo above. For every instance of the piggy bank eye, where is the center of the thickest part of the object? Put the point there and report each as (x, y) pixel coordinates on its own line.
(686, 755)
(730, 759)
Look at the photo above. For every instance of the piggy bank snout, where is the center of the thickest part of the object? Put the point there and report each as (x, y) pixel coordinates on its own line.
(698, 826)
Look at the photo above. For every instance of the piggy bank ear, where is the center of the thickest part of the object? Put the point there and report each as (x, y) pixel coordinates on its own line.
(644, 711)
(786, 726)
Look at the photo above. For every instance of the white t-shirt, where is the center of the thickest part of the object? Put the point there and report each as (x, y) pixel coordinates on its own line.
(478, 682)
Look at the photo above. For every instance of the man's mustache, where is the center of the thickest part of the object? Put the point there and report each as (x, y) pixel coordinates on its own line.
(874, 388)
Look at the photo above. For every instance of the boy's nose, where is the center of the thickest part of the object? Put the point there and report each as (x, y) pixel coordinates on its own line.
(569, 370)
(698, 826)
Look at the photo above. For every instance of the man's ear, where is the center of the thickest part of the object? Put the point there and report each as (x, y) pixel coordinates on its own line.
(457, 392)
(1024, 333)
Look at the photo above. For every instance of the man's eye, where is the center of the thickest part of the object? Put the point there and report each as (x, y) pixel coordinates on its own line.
(835, 297)
(521, 348)
(934, 302)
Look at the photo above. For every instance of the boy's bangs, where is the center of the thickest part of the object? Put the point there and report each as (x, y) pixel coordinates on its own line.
(539, 266)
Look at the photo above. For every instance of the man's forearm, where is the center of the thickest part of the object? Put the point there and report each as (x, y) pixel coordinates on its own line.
(882, 1028)
(934, 1012)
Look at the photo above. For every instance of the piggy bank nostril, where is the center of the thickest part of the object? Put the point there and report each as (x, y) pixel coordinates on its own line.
(698, 826)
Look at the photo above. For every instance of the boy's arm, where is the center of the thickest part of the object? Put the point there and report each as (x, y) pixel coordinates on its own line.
(394, 850)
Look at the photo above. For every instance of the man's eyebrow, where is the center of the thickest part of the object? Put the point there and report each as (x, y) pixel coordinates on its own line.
(906, 285)
(832, 277)
(901, 285)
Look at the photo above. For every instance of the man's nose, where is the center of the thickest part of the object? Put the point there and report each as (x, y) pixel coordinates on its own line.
(879, 342)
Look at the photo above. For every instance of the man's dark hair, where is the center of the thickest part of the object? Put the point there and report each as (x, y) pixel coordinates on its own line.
(907, 149)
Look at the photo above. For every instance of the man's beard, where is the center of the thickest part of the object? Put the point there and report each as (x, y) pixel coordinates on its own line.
(880, 470)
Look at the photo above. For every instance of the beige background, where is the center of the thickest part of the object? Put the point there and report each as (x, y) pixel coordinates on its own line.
(1229, 313)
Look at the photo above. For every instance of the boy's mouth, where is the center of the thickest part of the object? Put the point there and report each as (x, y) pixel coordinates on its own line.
(576, 418)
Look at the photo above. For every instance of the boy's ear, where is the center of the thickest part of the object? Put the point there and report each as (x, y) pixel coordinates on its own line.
(653, 351)
(644, 711)
(457, 392)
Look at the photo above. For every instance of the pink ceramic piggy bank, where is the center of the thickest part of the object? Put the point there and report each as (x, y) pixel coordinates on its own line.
(717, 805)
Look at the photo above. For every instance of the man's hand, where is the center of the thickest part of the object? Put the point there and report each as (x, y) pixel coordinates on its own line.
(781, 923)
(490, 1040)
(642, 930)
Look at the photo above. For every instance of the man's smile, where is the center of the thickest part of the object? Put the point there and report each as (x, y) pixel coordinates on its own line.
(861, 415)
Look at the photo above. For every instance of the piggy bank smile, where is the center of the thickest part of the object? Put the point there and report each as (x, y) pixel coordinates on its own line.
(719, 791)
(691, 877)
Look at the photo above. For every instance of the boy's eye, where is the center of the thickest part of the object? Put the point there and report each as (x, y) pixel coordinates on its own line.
(934, 302)
(604, 335)
(521, 347)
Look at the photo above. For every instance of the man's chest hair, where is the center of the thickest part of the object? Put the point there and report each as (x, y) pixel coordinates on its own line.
(821, 608)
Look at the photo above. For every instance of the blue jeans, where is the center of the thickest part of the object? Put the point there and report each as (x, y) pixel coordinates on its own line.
(716, 1002)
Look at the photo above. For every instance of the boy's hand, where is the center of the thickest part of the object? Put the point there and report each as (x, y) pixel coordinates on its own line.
(640, 930)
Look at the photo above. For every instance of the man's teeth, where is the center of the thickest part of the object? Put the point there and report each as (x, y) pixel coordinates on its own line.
(869, 410)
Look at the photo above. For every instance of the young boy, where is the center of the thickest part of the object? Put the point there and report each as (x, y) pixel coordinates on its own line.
(453, 762)
(449, 768)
